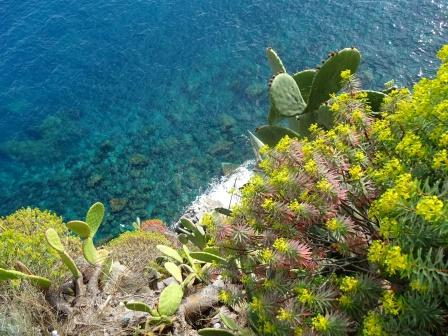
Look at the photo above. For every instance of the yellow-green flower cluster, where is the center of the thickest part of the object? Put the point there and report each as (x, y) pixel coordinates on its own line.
(224, 296)
(356, 172)
(284, 315)
(320, 323)
(430, 208)
(373, 325)
(388, 256)
(324, 186)
(349, 284)
(390, 303)
(281, 245)
(267, 255)
(304, 296)
(345, 75)
(283, 145)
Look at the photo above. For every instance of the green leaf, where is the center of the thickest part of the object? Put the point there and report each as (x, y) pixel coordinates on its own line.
(207, 257)
(188, 255)
(174, 270)
(81, 228)
(94, 217)
(212, 250)
(170, 252)
(170, 299)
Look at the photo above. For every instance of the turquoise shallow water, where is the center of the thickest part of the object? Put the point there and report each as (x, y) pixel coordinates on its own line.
(137, 103)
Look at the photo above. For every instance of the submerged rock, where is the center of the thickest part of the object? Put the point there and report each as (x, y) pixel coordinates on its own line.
(117, 204)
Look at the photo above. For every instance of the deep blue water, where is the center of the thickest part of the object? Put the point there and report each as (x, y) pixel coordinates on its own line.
(136, 103)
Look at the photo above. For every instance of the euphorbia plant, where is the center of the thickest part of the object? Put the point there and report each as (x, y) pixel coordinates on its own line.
(345, 232)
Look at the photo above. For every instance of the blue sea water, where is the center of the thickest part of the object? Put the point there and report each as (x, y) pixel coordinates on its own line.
(138, 103)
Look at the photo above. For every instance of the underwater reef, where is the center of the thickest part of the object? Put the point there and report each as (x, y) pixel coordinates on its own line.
(130, 110)
(339, 232)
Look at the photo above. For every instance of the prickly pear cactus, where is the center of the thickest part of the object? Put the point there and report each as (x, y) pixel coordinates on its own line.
(55, 242)
(95, 217)
(41, 282)
(304, 80)
(275, 61)
(285, 96)
(300, 98)
(328, 78)
(170, 300)
(87, 230)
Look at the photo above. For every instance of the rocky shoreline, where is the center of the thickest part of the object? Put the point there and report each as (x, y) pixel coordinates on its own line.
(219, 194)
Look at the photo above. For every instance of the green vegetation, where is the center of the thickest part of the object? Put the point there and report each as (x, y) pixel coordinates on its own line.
(142, 244)
(22, 237)
(343, 231)
(163, 314)
(302, 98)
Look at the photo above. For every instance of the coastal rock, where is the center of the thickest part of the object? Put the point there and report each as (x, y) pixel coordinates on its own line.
(94, 180)
(221, 148)
(218, 194)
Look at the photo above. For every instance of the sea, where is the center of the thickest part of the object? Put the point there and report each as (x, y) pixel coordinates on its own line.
(139, 104)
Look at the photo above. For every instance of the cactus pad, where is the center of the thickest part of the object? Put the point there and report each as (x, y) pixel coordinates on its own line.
(137, 306)
(285, 96)
(170, 252)
(304, 80)
(274, 61)
(89, 251)
(55, 242)
(94, 217)
(328, 79)
(37, 280)
(170, 300)
(375, 99)
(82, 229)
(174, 270)
(271, 135)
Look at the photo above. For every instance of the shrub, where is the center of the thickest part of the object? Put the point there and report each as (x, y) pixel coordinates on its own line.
(22, 238)
(346, 232)
(136, 249)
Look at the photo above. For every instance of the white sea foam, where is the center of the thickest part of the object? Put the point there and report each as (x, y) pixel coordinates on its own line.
(219, 192)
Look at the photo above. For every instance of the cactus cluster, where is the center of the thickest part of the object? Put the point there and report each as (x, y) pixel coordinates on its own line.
(162, 315)
(87, 230)
(189, 266)
(300, 98)
(188, 231)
